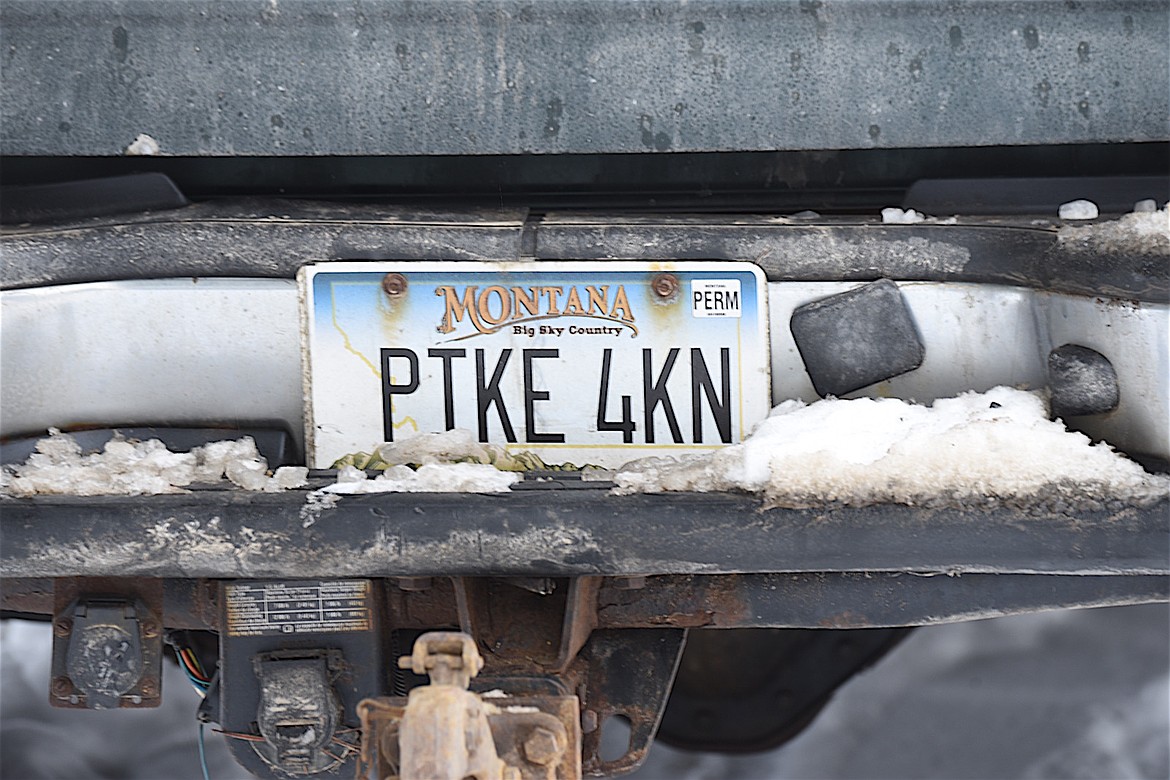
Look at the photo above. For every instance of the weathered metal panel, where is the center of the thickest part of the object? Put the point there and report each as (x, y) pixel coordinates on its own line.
(332, 77)
(273, 238)
(862, 600)
(226, 533)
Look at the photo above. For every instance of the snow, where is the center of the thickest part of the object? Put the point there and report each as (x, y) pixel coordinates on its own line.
(1053, 695)
(1145, 231)
(1078, 209)
(455, 446)
(895, 216)
(998, 445)
(143, 146)
(450, 462)
(430, 478)
(133, 468)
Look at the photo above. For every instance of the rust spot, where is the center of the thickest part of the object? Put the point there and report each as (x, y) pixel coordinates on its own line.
(685, 619)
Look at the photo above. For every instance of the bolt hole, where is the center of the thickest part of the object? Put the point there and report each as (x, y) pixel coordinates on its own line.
(615, 738)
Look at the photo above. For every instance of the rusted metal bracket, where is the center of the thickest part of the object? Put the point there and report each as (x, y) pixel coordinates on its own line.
(624, 674)
(541, 627)
(580, 619)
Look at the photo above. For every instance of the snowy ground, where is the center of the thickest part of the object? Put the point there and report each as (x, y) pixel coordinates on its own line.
(1057, 695)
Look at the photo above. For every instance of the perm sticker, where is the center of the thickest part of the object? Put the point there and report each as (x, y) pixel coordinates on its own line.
(715, 298)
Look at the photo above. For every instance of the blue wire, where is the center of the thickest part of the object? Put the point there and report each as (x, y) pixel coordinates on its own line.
(199, 686)
(203, 755)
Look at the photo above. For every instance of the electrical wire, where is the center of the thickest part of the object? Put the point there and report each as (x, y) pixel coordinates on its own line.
(193, 670)
(203, 755)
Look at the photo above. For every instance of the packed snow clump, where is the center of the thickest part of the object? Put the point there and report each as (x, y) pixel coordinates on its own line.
(1145, 231)
(429, 478)
(450, 462)
(143, 146)
(1078, 209)
(978, 447)
(896, 216)
(454, 446)
(133, 468)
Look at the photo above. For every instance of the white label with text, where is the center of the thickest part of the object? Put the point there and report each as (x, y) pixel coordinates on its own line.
(716, 298)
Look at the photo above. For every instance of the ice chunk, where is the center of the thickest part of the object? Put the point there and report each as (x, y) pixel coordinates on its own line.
(996, 445)
(1147, 206)
(123, 468)
(58, 447)
(289, 477)
(250, 474)
(143, 146)
(1078, 209)
(350, 474)
(895, 216)
(449, 447)
(212, 459)
(432, 478)
(58, 466)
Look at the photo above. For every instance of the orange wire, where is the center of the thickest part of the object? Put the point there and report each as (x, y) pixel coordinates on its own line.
(188, 659)
(239, 735)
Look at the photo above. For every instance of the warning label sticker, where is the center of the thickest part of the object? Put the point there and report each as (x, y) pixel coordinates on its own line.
(312, 607)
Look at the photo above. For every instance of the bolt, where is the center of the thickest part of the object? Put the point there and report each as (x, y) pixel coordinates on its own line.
(150, 628)
(411, 584)
(394, 285)
(633, 582)
(543, 747)
(665, 286)
(588, 721)
(61, 687)
(63, 627)
(149, 687)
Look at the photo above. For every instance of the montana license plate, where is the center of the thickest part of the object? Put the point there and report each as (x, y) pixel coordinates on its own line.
(587, 363)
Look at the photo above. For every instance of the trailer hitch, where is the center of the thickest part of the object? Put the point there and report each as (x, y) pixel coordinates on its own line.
(443, 731)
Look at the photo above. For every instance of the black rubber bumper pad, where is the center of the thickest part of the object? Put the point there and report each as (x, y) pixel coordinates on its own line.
(1082, 381)
(854, 339)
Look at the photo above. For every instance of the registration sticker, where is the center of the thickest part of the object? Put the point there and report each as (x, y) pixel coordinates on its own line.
(594, 363)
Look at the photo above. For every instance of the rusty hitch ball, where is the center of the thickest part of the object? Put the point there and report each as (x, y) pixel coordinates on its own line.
(394, 285)
(665, 287)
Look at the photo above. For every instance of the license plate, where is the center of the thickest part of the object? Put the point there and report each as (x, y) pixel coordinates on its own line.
(588, 363)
